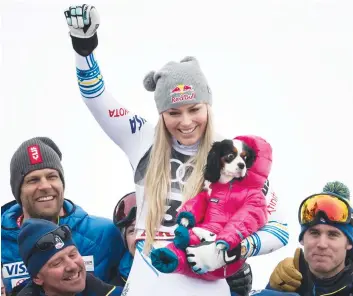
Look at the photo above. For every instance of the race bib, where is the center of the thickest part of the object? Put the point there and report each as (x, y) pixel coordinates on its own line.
(144, 279)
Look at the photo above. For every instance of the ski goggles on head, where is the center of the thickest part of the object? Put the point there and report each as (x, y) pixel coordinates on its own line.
(328, 206)
(125, 210)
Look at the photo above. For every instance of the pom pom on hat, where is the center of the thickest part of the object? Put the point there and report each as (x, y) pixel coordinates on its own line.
(337, 188)
(149, 82)
(189, 59)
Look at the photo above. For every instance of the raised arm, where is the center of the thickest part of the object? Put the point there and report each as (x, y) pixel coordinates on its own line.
(129, 131)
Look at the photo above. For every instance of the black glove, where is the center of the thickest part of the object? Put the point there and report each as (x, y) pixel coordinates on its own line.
(241, 282)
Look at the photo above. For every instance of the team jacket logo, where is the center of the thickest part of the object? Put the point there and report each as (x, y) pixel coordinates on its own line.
(133, 124)
(271, 206)
(14, 269)
(34, 154)
(120, 112)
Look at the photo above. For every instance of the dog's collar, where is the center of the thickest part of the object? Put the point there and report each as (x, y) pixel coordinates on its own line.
(186, 150)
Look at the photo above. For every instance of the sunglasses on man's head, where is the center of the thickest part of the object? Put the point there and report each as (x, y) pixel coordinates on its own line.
(50, 240)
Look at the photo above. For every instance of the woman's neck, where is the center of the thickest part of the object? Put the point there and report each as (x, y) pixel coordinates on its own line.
(186, 150)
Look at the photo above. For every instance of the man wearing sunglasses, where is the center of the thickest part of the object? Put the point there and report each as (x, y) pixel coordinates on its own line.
(124, 217)
(325, 267)
(38, 183)
(54, 262)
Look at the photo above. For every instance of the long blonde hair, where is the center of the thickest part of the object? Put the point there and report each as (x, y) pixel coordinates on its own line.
(157, 180)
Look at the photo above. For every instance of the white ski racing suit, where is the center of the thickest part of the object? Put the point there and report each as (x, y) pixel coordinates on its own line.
(134, 135)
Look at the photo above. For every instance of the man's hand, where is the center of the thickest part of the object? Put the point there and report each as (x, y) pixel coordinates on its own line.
(83, 20)
(286, 276)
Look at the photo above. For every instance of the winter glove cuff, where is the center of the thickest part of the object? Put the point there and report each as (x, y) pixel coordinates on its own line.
(241, 282)
(84, 46)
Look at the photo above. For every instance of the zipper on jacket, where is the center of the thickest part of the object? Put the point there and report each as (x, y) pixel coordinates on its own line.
(231, 184)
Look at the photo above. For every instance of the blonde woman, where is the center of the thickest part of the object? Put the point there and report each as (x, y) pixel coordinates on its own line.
(162, 157)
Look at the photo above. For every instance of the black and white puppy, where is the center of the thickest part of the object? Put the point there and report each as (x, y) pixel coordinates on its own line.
(228, 159)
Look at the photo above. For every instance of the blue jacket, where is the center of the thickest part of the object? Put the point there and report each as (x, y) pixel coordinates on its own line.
(98, 240)
(125, 266)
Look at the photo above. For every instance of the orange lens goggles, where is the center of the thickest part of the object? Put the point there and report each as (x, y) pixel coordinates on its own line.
(336, 209)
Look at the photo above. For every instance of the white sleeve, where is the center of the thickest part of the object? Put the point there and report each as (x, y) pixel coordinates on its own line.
(274, 235)
(129, 131)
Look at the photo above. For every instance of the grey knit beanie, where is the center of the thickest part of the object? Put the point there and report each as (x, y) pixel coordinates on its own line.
(178, 84)
(34, 154)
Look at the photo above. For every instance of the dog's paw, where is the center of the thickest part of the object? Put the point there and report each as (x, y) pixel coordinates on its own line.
(182, 237)
(184, 222)
(186, 218)
(164, 260)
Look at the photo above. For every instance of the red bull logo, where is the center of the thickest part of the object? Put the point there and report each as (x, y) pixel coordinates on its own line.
(182, 92)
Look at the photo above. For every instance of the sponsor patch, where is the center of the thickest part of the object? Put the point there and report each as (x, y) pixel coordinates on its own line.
(182, 92)
(34, 154)
(58, 242)
(14, 269)
(89, 262)
(19, 281)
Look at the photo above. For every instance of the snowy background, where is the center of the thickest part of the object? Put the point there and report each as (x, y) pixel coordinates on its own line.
(279, 69)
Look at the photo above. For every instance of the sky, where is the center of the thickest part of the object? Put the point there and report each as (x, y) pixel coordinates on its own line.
(282, 70)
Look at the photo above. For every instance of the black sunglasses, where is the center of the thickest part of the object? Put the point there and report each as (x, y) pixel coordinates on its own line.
(49, 240)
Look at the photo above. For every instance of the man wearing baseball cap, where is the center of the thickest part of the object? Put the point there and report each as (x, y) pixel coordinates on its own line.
(325, 265)
(54, 262)
(38, 183)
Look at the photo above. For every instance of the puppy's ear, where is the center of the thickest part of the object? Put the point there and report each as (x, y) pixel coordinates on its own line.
(251, 157)
(213, 167)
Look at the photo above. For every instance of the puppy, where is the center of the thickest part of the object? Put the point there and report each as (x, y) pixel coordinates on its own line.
(228, 160)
